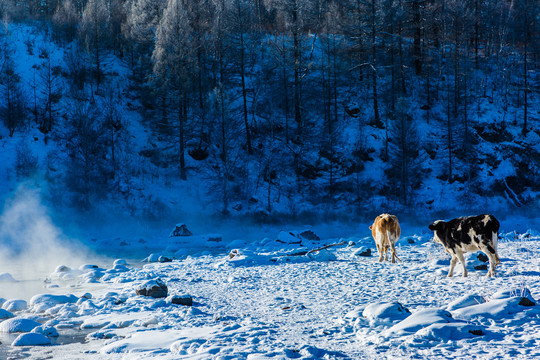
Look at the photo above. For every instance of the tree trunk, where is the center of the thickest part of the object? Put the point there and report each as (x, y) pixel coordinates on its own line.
(244, 92)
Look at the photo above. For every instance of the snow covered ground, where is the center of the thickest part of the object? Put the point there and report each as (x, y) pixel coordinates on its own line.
(267, 299)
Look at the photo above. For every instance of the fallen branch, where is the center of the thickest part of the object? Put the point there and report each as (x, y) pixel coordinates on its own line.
(307, 252)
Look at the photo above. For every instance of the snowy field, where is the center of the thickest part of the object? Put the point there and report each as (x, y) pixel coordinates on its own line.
(268, 299)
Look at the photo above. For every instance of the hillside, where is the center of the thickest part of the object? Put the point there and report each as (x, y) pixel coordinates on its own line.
(111, 143)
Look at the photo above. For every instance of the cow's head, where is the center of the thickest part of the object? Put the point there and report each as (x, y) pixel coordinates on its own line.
(436, 227)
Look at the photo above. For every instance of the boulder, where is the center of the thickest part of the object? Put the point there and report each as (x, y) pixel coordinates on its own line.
(180, 230)
(309, 235)
(152, 288)
(185, 300)
(362, 251)
(483, 258)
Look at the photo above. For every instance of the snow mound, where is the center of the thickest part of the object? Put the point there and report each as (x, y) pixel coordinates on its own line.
(508, 293)
(45, 330)
(497, 308)
(6, 277)
(420, 320)
(385, 312)
(4, 314)
(31, 339)
(120, 262)
(449, 332)
(43, 302)
(15, 305)
(464, 301)
(322, 255)
(18, 325)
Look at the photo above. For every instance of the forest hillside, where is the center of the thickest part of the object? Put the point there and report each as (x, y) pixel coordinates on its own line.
(271, 107)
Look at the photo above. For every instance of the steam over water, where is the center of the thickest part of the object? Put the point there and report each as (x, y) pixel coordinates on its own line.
(31, 246)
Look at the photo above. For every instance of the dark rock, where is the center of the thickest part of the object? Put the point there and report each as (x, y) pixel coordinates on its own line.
(482, 257)
(363, 252)
(410, 241)
(164, 259)
(526, 302)
(180, 230)
(237, 207)
(477, 332)
(153, 288)
(309, 235)
(215, 238)
(185, 300)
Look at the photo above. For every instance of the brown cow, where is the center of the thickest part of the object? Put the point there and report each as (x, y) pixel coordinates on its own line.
(386, 232)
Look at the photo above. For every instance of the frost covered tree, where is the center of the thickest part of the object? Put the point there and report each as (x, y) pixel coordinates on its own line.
(172, 62)
(50, 90)
(94, 32)
(65, 20)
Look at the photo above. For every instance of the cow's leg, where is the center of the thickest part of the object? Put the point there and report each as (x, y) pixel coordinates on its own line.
(463, 263)
(493, 259)
(380, 251)
(452, 265)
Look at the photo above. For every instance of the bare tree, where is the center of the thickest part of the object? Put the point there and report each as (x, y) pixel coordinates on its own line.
(172, 55)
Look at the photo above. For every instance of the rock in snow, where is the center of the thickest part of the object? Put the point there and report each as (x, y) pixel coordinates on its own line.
(180, 230)
(182, 300)
(15, 305)
(153, 288)
(31, 339)
(18, 325)
(46, 330)
(385, 312)
(362, 251)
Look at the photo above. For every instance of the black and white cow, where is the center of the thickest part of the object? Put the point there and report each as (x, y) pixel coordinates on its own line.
(468, 234)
